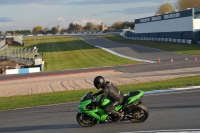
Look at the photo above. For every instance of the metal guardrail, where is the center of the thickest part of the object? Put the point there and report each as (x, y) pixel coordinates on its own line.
(21, 55)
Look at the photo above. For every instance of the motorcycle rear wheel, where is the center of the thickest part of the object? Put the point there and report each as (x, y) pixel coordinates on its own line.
(139, 114)
(85, 120)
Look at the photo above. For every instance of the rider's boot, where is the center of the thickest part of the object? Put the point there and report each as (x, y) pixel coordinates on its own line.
(120, 117)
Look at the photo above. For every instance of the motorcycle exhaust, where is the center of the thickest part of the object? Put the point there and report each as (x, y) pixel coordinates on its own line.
(131, 106)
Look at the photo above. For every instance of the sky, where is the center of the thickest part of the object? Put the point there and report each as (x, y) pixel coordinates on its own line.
(26, 14)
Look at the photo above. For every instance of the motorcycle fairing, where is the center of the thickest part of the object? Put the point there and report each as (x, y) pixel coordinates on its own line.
(133, 96)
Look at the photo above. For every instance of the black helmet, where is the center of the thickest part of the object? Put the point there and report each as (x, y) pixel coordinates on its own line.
(98, 82)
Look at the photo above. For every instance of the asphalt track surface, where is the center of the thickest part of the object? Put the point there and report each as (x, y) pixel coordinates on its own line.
(174, 110)
(136, 51)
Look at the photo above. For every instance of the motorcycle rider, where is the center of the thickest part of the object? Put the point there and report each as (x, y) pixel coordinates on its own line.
(111, 92)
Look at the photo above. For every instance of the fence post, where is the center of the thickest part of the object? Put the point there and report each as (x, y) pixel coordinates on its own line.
(18, 54)
(29, 54)
(24, 55)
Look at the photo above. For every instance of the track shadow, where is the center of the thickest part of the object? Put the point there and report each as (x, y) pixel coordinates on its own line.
(176, 107)
(38, 127)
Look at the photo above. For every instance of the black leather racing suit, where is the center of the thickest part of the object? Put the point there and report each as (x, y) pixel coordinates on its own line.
(111, 92)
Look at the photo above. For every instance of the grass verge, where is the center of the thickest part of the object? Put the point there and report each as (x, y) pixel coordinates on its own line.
(193, 49)
(63, 52)
(14, 102)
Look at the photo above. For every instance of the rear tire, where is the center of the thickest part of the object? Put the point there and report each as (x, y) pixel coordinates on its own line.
(139, 114)
(86, 120)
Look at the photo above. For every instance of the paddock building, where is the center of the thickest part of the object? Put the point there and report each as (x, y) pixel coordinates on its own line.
(183, 24)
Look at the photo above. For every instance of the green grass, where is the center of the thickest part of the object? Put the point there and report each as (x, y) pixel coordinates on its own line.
(14, 102)
(193, 49)
(62, 52)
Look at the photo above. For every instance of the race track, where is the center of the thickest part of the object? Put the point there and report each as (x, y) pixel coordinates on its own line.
(168, 111)
(136, 51)
(175, 110)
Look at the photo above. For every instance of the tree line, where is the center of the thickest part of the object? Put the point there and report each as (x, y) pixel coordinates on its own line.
(180, 5)
(73, 27)
(89, 26)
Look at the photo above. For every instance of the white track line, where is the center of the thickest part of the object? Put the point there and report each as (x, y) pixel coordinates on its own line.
(168, 131)
(171, 90)
(124, 56)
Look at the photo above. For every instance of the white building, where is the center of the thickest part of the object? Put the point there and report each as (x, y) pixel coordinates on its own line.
(179, 24)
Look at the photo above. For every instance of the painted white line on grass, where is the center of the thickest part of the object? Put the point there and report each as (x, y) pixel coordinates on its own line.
(124, 56)
(171, 90)
(157, 91)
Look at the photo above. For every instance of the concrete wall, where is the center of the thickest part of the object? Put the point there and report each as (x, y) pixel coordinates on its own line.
(23, 70)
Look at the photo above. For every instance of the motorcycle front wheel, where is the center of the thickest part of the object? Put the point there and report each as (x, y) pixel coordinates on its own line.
(85, 120)
(138, 114)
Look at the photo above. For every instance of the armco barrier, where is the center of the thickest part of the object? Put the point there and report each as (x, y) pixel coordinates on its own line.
(179, 40)
(189, 41)
(161, 39)
(183, 41)
(22, 70)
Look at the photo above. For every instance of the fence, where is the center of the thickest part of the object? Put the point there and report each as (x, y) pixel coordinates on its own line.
(22, 55)
(3, 45)
(160, 39)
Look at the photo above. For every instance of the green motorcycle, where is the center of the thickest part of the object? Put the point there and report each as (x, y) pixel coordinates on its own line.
(132, 107)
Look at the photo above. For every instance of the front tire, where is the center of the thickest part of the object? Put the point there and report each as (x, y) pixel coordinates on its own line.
(139, 114)
(86, 120)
